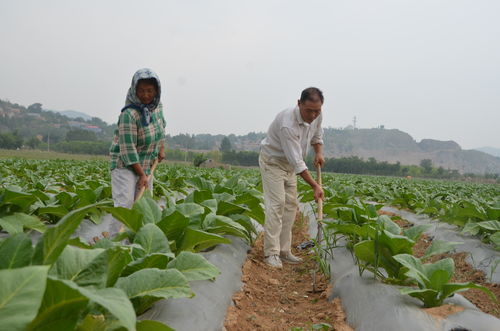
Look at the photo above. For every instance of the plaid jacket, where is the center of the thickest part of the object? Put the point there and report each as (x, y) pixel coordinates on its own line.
(135, 143)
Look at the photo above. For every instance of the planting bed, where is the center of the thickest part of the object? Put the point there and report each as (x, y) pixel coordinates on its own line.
(372, 305)
(482, 256)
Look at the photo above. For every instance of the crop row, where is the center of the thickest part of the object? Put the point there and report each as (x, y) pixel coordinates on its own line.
(61, 282)
(381, 246)
(473, 207)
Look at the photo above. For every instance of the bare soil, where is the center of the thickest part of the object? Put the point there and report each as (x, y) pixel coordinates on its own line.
(282, 299)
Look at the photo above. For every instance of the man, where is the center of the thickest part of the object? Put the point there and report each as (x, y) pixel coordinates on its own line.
(281, 159)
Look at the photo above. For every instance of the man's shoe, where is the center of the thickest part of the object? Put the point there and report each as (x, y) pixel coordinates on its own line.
(273, 261)
(290, 258)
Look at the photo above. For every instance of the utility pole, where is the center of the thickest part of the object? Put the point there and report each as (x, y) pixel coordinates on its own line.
(48, 142)
(354, 122)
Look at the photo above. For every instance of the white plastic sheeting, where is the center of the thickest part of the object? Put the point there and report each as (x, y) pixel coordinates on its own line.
(373, 306)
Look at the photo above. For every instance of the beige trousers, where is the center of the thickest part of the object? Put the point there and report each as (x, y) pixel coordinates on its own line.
(124, 190)
(124, 187)
(280, 200)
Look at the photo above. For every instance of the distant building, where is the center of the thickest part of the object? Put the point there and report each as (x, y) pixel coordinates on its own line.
(76, 124)
(35, 115)
(93, 128)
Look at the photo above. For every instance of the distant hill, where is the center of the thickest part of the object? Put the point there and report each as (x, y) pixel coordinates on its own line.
(36, 122)
(75, 114)
(397, 146)
(393, 146)
(490, 150)
(382, 144)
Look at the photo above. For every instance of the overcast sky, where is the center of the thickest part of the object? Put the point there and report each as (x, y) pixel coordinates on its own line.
(427, 67)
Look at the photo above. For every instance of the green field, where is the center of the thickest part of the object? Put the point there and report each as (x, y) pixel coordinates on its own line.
(70, 281)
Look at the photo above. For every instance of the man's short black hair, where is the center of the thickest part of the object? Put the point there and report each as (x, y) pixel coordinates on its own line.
(310, 93)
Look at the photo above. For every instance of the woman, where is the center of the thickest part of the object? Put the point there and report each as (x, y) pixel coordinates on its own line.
(139, 139)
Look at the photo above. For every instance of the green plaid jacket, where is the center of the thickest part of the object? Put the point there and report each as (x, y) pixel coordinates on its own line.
(135, 143)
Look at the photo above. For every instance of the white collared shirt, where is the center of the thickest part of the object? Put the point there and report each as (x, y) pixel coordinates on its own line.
(289, 137)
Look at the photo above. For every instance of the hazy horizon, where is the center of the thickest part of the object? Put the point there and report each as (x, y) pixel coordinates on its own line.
(428, 68)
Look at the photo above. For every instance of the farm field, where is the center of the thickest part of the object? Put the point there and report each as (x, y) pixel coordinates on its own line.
(53, 280)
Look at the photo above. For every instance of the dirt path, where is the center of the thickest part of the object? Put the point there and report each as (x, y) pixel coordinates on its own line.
(273, 299)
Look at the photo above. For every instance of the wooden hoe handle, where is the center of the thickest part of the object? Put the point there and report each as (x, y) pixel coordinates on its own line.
(143, 189)
(320, 201)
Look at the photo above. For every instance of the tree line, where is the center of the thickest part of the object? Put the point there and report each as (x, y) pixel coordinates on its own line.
(79, 141)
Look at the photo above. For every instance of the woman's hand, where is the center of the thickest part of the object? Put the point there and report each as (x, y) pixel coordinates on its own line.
(161, 155)
(143, 181)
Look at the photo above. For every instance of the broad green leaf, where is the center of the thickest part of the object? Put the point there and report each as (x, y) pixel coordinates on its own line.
(439, 247)
(174, 225)
(449, 289)
(495, 239)
(224, 196)
(197, 240)
(194, 266)
(61, 307)
(232, 182)
(104, 270)
(396, 243)
(465, 209)
(365, 251)
(21, 292)
(146, 325)
(388, 224)
(228, 208)
(416, 231)
(152, 239)
(224, 225)
(56, 238)
(211, 204)
(201, 183)
(16, 222)
(472, 228)
(490, 225)
(85, 197)
(190, 209)
(132, 219)
(58, 211)
(154, 260)
(438, 278)
(101, 243)
(493, 213)
(146, 286)
(253, 204)
(447, 265)
(72, 261)
(67, 199)
(148, 208)
(15, 251)
(114, 300)
(245, 222)
(415, 268)
(364, 231)
(21, 199)
(198, 196)
(257, 214)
